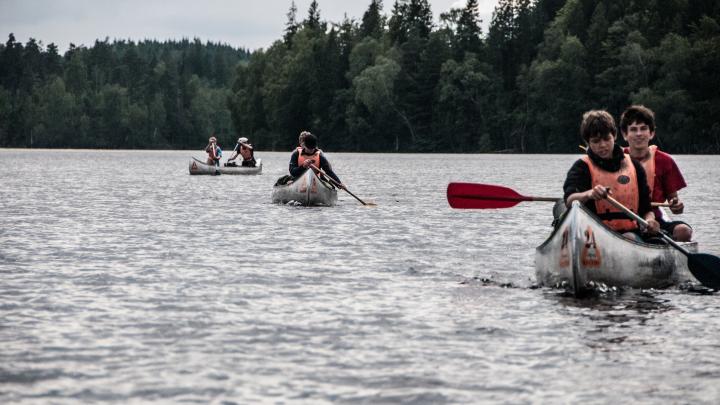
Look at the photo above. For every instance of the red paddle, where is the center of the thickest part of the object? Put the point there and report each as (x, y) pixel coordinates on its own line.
(481, 196)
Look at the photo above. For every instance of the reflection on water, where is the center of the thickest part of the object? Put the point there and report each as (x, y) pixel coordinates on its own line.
(125, 279)
(616, 316)
(644, 303)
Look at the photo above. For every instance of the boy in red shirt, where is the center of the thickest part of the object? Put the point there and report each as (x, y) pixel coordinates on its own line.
(637, 125)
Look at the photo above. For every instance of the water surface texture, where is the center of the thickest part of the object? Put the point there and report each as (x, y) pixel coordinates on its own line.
(124, 279)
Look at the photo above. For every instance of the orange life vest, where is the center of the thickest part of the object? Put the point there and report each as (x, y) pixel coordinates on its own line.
(624, 186)
(649, 166)
(314, 157)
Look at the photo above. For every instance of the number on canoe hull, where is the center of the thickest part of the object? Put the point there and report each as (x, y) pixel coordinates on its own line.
(590, 256)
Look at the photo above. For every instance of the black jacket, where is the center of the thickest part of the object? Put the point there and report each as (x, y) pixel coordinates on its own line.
(296, 171)
(578, 178)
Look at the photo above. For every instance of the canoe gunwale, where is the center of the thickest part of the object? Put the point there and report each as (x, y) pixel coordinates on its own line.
(616, 235)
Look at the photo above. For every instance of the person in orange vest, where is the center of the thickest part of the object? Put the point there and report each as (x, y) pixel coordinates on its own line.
(214, 153)
(637, 124)
(606, 170)
(245, 150)
(301, 139)
(308, 154)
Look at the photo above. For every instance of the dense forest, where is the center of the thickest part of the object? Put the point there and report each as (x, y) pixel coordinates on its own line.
(390, 81)
(116, 94)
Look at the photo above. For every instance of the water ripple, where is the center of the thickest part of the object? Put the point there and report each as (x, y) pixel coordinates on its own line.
(126, 280)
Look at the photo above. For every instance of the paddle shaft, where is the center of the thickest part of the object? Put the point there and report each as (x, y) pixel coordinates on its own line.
(704, 267)
(335, 183)
(644, 223)
(533, 198)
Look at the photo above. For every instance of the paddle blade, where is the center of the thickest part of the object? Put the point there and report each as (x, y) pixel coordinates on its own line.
(482, 196)
(705, 268)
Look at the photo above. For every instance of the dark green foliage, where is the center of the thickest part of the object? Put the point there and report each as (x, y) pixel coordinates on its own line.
(116, 94)
(469, 33)
(373, 23)
(291, 26)
(313, 21)
(384, 83)
(412, 87)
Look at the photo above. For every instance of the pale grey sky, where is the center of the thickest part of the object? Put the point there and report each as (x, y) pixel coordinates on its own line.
(240, 23)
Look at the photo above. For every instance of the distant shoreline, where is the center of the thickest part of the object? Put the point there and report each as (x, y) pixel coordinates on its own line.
(201, 151)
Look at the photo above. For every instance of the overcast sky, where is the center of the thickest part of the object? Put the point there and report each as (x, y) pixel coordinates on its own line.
(242, 23)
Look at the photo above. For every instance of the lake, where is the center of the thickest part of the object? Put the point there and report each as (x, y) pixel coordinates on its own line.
(124, 279)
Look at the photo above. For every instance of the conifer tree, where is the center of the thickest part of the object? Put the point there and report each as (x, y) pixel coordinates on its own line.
(291, 26)
(313, 19)
(372, 22)
(468, 37)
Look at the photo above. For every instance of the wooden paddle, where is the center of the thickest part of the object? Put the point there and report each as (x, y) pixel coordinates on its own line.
(483, 196)
(705, 267)
(338, 185)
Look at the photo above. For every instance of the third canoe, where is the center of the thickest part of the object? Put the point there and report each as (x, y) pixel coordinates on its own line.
(308, 190)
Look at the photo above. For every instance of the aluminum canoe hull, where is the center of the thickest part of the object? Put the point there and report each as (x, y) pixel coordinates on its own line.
(307, 190)
(581, 250)
(197, 166)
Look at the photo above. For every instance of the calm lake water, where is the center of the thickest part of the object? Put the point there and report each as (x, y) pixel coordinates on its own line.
(124, 279)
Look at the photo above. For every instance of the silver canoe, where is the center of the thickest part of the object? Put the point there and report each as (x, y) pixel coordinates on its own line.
(306, 190)
(581, 249)
(199, 167)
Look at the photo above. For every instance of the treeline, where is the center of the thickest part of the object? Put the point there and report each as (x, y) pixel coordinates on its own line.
(390, 81)
(398, 82)
(118, 94)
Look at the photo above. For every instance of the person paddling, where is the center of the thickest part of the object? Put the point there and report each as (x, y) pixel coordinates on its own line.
(301, 139)
(637, 124)
(309, 154)
(245, 150)
(214, 154)
(606, 170)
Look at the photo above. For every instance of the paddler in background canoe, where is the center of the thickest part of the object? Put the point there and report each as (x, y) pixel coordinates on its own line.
(301, 139)
(245, 150)
(214, 153)
(637, 124)
(606, 170)
(309, 154)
